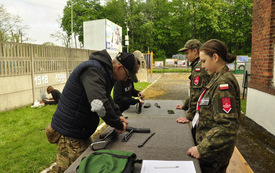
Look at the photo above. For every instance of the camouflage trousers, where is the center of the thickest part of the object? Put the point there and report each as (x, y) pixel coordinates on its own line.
(68, 150)
(213, 167)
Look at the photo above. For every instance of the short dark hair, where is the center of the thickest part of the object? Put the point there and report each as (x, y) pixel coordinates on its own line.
(50, 89)
(216, 46)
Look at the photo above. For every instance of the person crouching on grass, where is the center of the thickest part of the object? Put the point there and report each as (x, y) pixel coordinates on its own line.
(55, 96)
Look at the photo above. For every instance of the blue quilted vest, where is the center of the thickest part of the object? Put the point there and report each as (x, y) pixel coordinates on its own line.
(73, 116)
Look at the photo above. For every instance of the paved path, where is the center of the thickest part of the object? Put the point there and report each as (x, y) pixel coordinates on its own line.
(170, 86)
(173, 86)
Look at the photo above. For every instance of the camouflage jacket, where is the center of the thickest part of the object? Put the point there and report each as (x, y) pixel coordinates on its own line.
(219, 118)
(198, 80)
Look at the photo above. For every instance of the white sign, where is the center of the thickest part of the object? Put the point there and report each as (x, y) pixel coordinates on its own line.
(158, 63)
(182, 63)
(242, 58)
(113, 36)
(170, 62)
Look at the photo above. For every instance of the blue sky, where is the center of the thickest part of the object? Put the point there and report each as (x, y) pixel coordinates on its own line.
(40, 15)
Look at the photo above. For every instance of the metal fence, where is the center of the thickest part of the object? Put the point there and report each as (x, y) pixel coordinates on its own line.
(22, 59)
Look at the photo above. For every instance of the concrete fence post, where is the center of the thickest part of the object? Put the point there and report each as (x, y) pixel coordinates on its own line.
(67, 62)
(32, 71)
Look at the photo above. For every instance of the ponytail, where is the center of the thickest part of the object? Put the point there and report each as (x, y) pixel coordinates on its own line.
(216, 46)
(230, 58)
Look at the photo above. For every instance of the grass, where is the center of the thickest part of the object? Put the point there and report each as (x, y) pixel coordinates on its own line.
(141, 85)
(243, 106)
(238, 72)
(172, 70)
(23, 141)
(23, 144)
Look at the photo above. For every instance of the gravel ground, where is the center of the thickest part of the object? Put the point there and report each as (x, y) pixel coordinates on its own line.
(255, 144)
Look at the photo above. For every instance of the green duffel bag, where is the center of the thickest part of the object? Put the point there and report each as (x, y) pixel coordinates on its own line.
(108, 161)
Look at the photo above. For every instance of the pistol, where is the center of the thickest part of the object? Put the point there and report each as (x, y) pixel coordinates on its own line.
(139, 106)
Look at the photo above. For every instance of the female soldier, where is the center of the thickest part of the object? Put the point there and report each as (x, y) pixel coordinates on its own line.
(218, 110)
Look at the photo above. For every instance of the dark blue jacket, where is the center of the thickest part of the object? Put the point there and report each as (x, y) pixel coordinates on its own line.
(91, 80)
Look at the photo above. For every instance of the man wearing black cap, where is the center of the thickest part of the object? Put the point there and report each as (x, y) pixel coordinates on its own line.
(124, 91)
(85, 98)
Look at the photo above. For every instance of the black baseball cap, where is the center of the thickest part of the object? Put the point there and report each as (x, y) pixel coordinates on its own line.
(129, 61)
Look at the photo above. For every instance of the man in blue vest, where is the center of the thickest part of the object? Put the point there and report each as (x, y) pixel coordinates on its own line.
(85, 98)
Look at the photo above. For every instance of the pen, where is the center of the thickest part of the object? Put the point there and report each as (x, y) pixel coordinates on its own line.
(165, 167)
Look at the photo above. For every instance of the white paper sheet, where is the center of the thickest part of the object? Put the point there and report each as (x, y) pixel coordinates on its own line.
(163, 166)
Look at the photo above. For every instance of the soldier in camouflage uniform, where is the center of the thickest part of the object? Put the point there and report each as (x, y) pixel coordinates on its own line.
(218, 111)
(198, 79)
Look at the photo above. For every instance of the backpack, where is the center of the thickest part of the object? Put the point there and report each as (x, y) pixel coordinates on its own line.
(106, 161)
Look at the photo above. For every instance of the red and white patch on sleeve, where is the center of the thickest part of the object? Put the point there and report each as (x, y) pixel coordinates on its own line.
(196, 80)
(198, 69)
(224, 86)
(226, 104)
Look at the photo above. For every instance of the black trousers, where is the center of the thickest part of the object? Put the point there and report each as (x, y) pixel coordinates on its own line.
(50, 103)
(123, 108)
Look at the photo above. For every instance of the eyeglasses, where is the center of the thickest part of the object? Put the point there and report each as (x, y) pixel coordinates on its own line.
(126, 72)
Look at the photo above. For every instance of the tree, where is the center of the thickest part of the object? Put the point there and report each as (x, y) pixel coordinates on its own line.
(241, 25)
(83, 10)
(116, 11)
(11, 28)
(140, 25)
(63, 37)
(163, 26)
(180, 27)
(48, 44)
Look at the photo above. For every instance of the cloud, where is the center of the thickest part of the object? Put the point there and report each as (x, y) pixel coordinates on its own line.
(40, 15)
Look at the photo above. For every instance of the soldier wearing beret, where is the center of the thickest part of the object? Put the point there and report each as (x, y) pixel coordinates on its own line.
(198, 79)
(217, 112)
